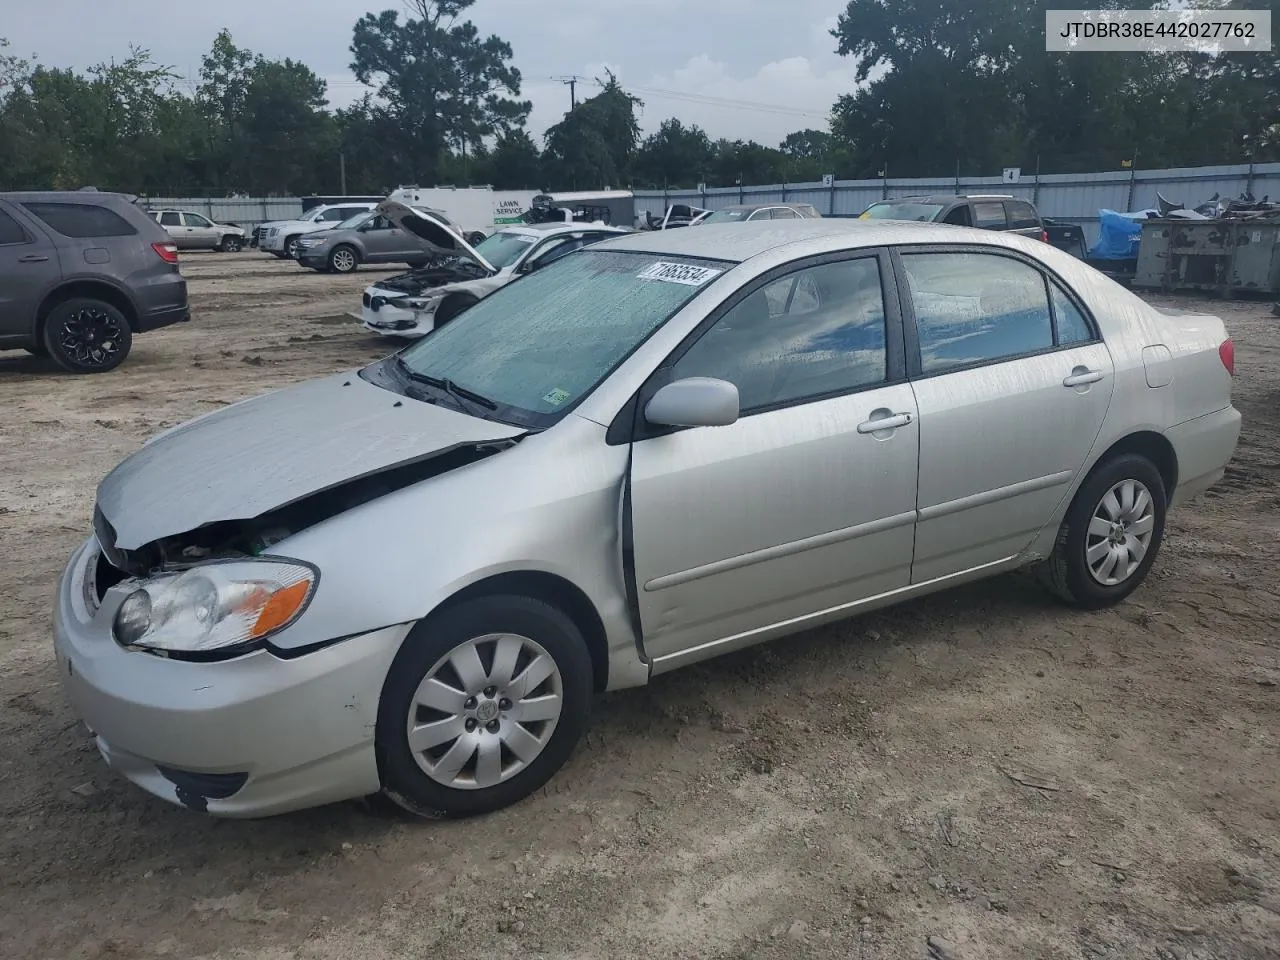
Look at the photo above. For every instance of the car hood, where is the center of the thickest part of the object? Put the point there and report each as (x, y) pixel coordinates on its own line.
(436, 234)
(269, 451)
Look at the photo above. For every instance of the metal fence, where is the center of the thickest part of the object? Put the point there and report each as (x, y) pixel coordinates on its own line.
(1071, 197)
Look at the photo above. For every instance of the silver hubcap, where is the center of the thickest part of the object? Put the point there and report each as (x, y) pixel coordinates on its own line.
(343, 260)
(485, 711)
(1120, 532)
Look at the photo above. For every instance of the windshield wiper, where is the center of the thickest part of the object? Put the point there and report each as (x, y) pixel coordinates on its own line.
(448, 386)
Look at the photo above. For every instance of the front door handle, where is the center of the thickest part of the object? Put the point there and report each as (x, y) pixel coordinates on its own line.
(890, 421)
(1082, 376)
(33, 258)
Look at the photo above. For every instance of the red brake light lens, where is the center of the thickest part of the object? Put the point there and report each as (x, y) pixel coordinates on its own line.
(1227, 351)
(1044, 235)
(168, 251)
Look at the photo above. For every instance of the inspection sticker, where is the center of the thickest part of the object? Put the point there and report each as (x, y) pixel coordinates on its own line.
(556, 397)
(685, 273)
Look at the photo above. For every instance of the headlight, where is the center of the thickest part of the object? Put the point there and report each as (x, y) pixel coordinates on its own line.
(310, 243)
(215, 606)
(428, 304)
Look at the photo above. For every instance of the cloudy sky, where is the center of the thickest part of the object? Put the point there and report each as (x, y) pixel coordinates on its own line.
(755, 69)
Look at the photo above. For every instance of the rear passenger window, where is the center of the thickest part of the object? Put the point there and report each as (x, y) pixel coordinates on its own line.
(1022, 215)
(10, 231)
(817, 332)
(171, 218)
(82, 219)
(1071, 325)
(989, 216)
(976, 308)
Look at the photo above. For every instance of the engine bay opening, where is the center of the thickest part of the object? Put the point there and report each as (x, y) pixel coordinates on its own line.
(238, 539)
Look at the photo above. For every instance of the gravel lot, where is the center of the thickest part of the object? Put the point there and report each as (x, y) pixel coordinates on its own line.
(847, 793)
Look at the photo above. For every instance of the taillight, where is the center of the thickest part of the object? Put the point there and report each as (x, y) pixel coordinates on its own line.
(1227, 351)
(1044, 235)
(168, 251)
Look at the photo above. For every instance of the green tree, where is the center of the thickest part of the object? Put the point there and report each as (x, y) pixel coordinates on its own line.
(516, 163)
(675, 156)
(595, 144)
(445, 86)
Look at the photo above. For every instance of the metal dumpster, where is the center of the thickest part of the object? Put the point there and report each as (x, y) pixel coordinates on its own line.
(1225, 256)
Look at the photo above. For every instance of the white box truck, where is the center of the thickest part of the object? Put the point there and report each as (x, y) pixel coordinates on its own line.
(477, 210)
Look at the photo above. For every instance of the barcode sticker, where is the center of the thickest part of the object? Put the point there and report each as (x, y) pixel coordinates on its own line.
(685, 273)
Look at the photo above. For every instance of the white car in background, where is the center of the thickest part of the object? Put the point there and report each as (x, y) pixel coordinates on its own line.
(415, 303)
(195, 231)
(280, 237)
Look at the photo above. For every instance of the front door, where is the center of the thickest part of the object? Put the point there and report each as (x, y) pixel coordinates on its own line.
(199, 232)
(383, 240)
(1012, 383)
(807, 502)
(28, 270)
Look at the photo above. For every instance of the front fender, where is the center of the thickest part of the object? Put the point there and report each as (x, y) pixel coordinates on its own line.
(548, 505)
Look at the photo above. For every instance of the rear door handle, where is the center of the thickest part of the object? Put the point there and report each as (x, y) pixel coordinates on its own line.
(32, 258)
(891, 422)
(1082, 376)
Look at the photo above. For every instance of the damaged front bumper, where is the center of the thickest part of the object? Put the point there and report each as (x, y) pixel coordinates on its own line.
(380, 313)
(248, 737)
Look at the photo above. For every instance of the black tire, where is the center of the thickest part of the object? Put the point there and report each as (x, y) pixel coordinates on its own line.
(1066, 573)
(451, 307)
(291, 248)
(279, 255)
(231, 244)
(84, 335)
(340, 262)
(403, 779)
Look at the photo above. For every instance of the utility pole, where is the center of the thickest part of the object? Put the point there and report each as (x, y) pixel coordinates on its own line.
(572, 83)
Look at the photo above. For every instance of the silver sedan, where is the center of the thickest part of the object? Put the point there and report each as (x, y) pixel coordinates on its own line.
(413, 577)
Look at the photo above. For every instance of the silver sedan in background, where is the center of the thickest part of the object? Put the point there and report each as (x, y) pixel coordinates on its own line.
(413, 577)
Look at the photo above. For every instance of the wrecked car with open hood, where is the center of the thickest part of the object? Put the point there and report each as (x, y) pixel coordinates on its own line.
(413, 577)
(415, 303)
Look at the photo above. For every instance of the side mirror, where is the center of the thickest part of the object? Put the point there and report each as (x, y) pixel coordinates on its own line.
(694, 402)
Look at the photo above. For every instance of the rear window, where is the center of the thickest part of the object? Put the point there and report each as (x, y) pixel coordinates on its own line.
(1022, 215)
(80, 220)
(10, 232)
(989, 215)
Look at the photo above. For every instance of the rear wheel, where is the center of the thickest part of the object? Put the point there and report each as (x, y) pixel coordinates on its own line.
(344, 259)
(1110, 536)
(87, 336)
(485, 701)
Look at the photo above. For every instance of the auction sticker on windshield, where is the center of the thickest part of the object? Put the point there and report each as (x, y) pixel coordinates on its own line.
(685, 273)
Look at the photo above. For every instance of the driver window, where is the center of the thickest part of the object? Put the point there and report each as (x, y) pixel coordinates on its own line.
(554, 250)
(817, 332)
(195, 220)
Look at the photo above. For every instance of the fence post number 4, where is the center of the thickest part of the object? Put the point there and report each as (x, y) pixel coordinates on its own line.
(1011, 174)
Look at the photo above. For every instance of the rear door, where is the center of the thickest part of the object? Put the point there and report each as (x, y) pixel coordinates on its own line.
(1012, 383)
(171, 220)
(28, 270)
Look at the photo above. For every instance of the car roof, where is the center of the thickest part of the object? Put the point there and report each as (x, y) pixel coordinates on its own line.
(753, 206)
(950, 197)
(738, 242)
(67, 196)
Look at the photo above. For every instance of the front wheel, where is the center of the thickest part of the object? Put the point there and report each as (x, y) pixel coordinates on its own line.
(1111, 534)
(483, 704)
(84, 335)
(344, 259)
(230, 244)
(291, 248)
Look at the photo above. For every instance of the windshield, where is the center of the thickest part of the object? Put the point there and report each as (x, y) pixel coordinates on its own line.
(311, 216)
(352, 222)
(539, 345)
(504, 248)
(902, 210)
(727, 216)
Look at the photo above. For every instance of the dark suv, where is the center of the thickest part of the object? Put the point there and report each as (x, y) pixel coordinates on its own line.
(988, 212)
(80, 273)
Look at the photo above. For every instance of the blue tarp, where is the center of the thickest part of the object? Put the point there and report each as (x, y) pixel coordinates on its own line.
(1118, 234)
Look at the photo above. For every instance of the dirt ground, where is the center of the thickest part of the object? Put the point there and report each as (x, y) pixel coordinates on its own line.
(847, 793)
